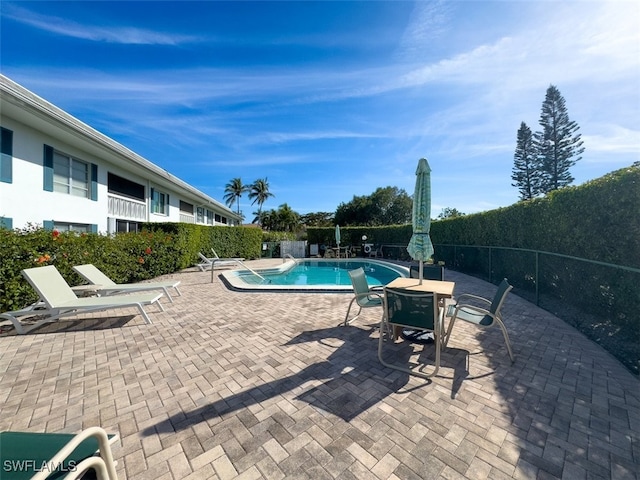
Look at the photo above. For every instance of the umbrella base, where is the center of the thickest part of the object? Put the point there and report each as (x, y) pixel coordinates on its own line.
(417, 336)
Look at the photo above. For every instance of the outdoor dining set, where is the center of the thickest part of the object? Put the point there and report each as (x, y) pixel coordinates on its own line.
(416, 308)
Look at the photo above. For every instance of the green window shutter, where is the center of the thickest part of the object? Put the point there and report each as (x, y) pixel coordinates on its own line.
(152, 203)
(47, 164)
(94, 182)
(94, 228)
(6, 158)
(47, 224)
(6, 222)
(166, 205)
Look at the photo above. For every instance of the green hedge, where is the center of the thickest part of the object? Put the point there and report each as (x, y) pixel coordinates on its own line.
(228, 242)
(598, 220)
(126, 257)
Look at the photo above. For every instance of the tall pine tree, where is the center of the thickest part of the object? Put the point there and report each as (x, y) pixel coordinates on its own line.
(525, 174)
(558, 144)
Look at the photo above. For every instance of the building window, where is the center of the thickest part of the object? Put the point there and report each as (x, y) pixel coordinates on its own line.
(6, 158)
(70, 176)
(74, 227)
(200, 215)
(209, 217)
(159, 202)
(123, 226)
(186, 207)
(125, 187)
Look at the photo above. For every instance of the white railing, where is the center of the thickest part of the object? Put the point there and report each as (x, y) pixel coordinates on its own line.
(184, 218)
(290, 257)
(126, 208)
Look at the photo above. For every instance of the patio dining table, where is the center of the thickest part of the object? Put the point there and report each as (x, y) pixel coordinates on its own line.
(444, 290)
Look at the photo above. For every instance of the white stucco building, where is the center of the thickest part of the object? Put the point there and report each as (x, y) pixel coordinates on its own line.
(60, 173)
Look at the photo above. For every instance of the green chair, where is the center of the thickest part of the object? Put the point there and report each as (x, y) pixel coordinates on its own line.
(429, 272)
(39, 456)
(416, 311)
(481, 312)
(365, 296)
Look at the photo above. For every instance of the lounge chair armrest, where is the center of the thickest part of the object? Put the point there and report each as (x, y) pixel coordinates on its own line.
(94, 463)
(104, 446)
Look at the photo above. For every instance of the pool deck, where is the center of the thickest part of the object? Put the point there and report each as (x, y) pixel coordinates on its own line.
(233, 385)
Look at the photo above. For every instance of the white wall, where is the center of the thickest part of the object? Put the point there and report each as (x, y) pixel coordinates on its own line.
(26, 201)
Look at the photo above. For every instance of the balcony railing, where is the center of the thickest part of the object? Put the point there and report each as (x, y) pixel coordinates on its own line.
(185, 218)
(127, 209)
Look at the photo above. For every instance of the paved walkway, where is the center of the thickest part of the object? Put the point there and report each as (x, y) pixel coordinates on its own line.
(229, 385)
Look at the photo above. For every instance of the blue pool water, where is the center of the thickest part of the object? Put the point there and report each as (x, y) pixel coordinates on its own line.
(315, 274)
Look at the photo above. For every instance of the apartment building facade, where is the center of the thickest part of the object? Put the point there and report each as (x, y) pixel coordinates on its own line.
(60, 173)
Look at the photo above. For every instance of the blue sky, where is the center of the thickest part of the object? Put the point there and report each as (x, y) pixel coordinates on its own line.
(335, 99)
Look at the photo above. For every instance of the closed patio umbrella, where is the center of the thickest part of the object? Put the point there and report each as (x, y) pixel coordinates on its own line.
(420, 247)
(338, 238)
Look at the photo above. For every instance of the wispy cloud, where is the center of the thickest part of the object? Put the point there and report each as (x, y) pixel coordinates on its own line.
(428, 22)
(95, 33)
(614, 139)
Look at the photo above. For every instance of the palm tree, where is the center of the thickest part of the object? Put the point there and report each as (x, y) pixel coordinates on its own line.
(259, 192)
(233, 191)
(288, 220)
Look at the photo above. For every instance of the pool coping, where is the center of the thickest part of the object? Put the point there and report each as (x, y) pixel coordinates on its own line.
(232, 281)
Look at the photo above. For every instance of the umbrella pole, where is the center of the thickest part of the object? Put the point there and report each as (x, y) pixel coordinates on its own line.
(420, 273)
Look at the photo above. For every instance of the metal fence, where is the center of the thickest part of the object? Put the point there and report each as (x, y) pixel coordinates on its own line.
(600, 299)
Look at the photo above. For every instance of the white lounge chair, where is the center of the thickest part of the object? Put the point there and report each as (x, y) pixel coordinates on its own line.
(207, 263)
(57, 300)
(106, 286)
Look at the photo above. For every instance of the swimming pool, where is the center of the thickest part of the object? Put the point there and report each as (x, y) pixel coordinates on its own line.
(322, 275)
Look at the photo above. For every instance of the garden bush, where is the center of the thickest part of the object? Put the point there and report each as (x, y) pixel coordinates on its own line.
(125, 258)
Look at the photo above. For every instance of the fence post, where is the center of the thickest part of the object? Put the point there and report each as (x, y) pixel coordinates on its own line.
(490, 273)
(537, 280)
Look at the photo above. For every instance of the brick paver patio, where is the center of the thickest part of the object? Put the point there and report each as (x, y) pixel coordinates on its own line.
(228, 385)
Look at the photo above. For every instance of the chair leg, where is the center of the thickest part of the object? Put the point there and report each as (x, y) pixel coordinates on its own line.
(346, 317)
(417, 373)
(447, 335)
(506, 339)
(166, 292)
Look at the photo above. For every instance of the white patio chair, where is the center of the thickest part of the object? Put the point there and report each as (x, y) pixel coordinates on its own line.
(57, 300)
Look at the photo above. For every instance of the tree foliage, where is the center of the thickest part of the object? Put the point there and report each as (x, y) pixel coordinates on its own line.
(525, 174)
(558, 145)
(385, 206)
(317, 219)
(233, 191)
(542, 161)
(284, 219)
(259, 193)
(449, 212)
